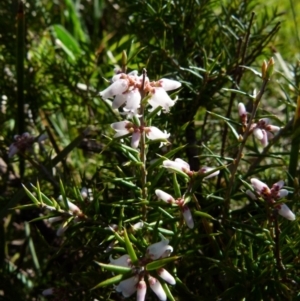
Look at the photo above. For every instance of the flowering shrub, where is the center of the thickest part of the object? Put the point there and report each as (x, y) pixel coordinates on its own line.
(161, 185)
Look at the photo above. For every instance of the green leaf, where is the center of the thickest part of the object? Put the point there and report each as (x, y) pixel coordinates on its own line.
(31, 196)
(203, 214)
(129, 248)
(66, 42)
(167, 291)
(157, 264)
(114, 268)
(111, 281)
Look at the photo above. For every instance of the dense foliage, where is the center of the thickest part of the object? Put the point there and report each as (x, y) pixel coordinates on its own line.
(229, 236)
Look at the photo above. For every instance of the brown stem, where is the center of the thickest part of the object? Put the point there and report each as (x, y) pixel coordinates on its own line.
(242, 145)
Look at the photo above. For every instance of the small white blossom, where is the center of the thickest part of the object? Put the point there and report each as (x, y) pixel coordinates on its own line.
(166, 276)
(141, 291)
(157, 288)
(272, 195)
(159, 250)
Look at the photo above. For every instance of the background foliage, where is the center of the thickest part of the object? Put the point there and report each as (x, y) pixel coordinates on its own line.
(55, 65)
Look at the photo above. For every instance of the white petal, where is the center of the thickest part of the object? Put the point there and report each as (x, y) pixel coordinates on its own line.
(121, 125)
(62, 229)
(157, 288)
(258, 185)
(242, 110)
(153, 133)
(206, 169)
(177, 165)
(138, 226)
(117, 87)
(133, 100)
(164, 196)
(283, 193)
(278, 185)
(273, 128)
(264, 140)
(258, 133)
(169, 84)
(161, 98)
(159, 250)
(183, 163)
(118, 101)
(165, 275)
(73, 208)
(127, 287)
(286, 212)
(187, 216)
(141, 291)
(135, 139)
(265, 121)
(123, 261)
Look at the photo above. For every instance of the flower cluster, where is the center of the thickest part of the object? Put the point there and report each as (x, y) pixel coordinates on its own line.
(73, 210)
(125, 127)
(179, 165)
(262, 130)
(128, 91)
(186, 212)
(137, 283)
(271, 195)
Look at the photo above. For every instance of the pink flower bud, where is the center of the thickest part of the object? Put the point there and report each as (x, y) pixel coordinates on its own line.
(286, 212)
(164, 196)
(157, 288)
(159, 250)
(166, 276)
(187, 216)
(141, 291)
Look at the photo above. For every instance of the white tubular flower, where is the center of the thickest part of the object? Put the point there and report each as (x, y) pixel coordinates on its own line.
(258, 133)
(62, 229)
(272, 195)
(159, 250)
(117, 87)
(166, 276)
(153, 133)
(164, 196)
(157, 288)
(122, 128)
(141, 291)
(259, 186)
(206, 169)
(263, 130)
(73, 208)
(159, 97)
(186, 212)
(138, 226)
(123, 261)
(286, 212)
(128, 287)
(178, 164)
(135, 139)
(242, 112)
(169, 84)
